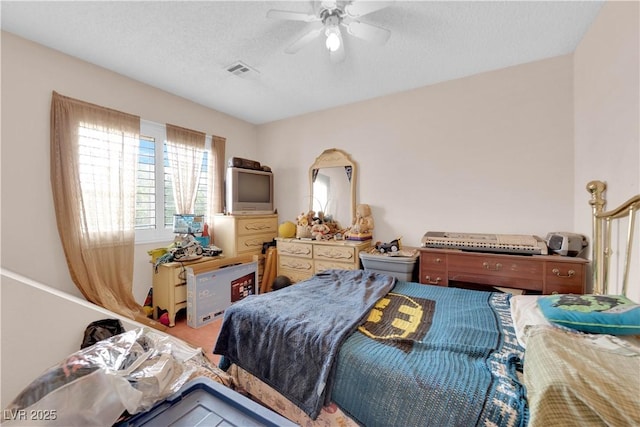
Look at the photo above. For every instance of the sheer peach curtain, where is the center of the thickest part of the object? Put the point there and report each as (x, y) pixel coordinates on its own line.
(184, 147)
(185, 150)
(216, 176)
(93, 170)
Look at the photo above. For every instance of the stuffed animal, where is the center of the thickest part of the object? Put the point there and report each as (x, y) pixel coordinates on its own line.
(319, 231)
(304, 224)
(302, 219)
(364, 221)
(362, 225)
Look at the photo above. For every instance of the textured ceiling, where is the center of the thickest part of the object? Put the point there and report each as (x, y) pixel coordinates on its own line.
(184, 47)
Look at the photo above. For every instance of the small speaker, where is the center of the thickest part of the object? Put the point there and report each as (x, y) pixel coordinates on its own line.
(239, 162)
(567, 244)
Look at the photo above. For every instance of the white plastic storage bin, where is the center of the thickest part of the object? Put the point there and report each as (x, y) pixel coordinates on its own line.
(400, 267)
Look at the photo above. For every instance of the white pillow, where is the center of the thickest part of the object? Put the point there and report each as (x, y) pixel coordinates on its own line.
(526, 314)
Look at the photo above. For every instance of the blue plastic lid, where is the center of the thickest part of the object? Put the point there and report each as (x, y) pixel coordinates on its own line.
(204, 402)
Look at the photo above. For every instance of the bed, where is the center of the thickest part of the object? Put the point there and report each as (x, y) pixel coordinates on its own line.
(583, 368)
(382, 346)
(400, 353)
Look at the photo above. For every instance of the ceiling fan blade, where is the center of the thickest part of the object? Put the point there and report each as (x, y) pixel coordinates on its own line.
(361, 8)
(314, 31)
(328, 4)
(369, 32)
(291, 16)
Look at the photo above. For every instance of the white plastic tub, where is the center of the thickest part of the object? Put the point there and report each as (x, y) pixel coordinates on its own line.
(400, 267)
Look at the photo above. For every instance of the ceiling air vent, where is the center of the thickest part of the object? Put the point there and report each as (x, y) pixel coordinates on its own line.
(241, 69)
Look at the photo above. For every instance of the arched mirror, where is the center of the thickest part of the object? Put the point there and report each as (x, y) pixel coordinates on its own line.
(332, 185)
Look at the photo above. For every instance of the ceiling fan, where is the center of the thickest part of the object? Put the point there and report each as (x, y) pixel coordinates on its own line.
(329, 17)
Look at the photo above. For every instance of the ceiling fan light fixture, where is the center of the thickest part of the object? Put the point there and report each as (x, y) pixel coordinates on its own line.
(329, 17)
(333, 38)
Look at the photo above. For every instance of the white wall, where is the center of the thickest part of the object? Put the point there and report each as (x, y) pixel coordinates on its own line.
(607, 116)
(30, 72)
(40, 327)
(491, 153)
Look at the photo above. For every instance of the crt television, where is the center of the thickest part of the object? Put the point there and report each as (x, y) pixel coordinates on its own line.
(249, 191)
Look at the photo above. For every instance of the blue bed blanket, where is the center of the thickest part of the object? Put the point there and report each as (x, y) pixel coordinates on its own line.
(290, 338)
(433, 356)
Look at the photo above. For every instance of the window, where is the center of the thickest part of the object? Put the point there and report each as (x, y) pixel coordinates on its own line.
(154, 196)
(146, 185)
(95, 159)
(321, 192)
(201, 197)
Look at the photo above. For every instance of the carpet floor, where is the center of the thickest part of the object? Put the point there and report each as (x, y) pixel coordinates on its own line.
(203, 337)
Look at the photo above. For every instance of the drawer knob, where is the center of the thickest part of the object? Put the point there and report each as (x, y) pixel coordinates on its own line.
(433, 282)
(570, 273)
(438, 261)
(487, 266)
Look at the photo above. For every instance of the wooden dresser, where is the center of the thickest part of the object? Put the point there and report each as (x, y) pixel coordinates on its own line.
(244, 235)
(301, 259)
(546, 274)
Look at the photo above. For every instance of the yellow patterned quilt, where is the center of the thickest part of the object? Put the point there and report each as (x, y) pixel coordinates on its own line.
(575, 379)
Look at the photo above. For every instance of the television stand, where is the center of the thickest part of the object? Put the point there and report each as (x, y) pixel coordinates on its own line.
(244, 235)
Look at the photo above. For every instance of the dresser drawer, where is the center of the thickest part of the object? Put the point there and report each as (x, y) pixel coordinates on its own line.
(540, 273)
(294, 275)
(334, 265)
(296, 264)
(520, 272)
(257, 225)
(564, 278)
(508, 267)
(179, 275)
(334, 253)
(433, 277)
(304, 250)
(433, 261)
(181, 293)
(247, 244)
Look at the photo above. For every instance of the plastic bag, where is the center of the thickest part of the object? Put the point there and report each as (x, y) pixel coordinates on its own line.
(101, 330)
(131, 371)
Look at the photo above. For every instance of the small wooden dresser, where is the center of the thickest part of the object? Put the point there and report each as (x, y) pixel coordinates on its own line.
(300, 259)
(240, 235)
(546, 274)
(243, 234)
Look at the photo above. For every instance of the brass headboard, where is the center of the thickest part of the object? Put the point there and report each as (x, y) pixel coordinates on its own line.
(601, 232)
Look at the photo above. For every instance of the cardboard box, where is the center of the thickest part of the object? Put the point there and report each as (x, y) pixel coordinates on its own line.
(210, 293)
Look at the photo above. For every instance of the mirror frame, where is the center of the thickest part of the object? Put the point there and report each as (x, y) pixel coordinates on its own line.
(332, 158)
